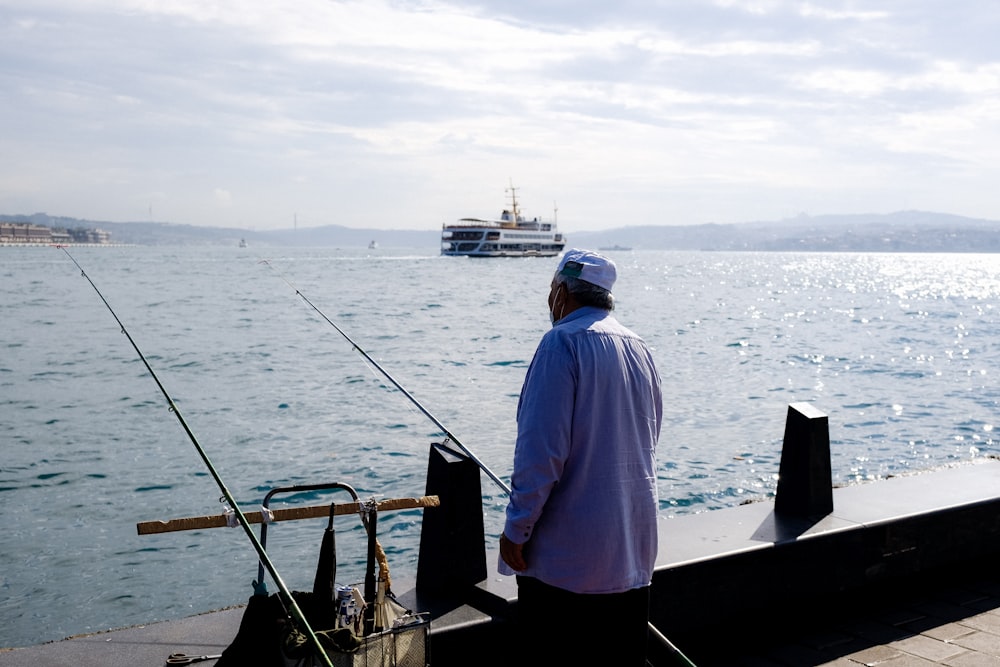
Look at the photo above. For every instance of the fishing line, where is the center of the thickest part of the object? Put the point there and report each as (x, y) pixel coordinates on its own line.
(240, 517)
(448, 434)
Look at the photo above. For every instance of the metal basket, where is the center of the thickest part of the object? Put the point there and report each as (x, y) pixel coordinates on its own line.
(406, 645)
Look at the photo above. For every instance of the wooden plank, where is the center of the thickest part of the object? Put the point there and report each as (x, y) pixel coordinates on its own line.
(286, 514)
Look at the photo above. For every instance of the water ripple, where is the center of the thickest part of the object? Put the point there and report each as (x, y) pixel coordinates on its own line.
(895, 349)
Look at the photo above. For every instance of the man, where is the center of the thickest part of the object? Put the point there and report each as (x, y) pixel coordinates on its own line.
(581, 521)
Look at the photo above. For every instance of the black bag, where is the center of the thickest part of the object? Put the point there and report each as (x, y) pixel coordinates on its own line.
(266, 626)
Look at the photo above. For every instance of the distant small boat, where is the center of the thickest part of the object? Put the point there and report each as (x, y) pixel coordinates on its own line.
(372, 245)
(615, 247)
(243, 243)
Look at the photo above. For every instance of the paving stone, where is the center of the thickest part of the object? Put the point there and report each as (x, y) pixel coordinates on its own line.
(839, 662)
(948, 632)
(876, 655)
(972, 659)
(987, 622)
(926, 647)
(907, 660)
(981, 642)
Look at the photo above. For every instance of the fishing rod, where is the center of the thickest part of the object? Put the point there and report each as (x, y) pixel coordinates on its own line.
(296, 612)
(448, 434)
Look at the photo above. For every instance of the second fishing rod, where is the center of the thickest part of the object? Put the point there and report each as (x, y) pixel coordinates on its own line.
(448, 434)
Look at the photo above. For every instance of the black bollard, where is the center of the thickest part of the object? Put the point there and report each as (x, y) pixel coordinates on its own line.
(452, 538)
(805, 481)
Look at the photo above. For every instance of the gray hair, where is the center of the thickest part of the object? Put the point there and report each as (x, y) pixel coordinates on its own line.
(587, 294)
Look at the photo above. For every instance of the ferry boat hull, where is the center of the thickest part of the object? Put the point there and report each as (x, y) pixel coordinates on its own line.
(486, 240)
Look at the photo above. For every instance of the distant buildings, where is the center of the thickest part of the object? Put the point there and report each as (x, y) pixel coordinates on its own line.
(22, 233)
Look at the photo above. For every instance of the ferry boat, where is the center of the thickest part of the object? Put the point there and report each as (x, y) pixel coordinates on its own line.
(511, 236)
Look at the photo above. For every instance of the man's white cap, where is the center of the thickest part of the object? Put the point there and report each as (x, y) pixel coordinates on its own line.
(588, 266)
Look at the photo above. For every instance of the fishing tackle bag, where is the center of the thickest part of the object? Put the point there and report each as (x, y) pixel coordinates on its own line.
(268, 638)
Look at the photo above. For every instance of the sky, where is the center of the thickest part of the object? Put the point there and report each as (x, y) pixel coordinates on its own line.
(406, 114)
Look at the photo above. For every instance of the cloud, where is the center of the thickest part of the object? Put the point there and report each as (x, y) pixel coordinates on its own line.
(380, 113)
(223, 198)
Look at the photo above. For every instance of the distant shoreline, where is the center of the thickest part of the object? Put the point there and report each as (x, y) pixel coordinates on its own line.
(900, 232)
(69, 245)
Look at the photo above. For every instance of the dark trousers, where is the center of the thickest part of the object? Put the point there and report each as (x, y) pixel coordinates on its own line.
(563, 628)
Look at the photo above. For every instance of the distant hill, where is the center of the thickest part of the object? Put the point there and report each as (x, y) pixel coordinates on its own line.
(167, 233)
(905, 231)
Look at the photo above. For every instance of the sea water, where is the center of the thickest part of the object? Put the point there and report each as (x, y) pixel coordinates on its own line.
(900, 350)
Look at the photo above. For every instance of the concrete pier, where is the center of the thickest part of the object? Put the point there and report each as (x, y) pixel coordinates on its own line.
(758, 574)
(902, 573)
(897, 572)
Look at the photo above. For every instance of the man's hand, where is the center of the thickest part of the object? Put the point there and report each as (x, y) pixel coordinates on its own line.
(512, 554)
